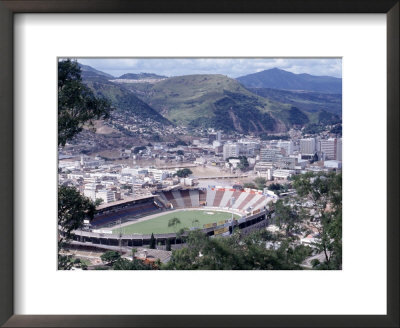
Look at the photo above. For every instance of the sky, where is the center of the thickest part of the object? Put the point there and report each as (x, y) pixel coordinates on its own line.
(232, 67)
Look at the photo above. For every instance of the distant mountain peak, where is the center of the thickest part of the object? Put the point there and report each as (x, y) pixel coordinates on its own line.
(141, 76)
(90, 69)
(280, 79)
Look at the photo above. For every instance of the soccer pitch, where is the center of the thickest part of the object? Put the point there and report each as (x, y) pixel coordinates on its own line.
(159, 224)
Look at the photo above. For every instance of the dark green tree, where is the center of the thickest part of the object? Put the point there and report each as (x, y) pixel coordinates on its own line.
(152, 242)
(73, 208)
(110, 257)
(77, 104)
(168, 245)
(184, 173)
(174, 222)
(244, 164)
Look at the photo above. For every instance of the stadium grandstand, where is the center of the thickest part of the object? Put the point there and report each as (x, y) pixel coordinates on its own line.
(248, 207)
(243, 201)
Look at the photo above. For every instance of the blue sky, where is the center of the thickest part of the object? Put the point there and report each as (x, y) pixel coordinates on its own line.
(232, 67)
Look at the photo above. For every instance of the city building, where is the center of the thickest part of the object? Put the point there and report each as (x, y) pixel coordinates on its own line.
(333, 164)
(329, 147)
(282, 174)
(287, 162)
(339, 150)
(287, 146)
(107, 196)
(231, 150)
(307, 146)
(270, 154)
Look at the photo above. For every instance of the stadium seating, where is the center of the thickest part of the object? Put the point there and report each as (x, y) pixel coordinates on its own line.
(134, 210)
(195, 198)
(170, 197)
(178, 199)
(244, 204)
(210, 197)
(218, 197)
(226, 199)
(240, 200)
(202, 196)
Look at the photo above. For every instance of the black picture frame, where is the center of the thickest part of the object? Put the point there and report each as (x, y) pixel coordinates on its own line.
(10, 7)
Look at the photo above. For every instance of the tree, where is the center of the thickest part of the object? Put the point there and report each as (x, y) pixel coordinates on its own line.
(324, 191)
(174, 222)
(168, 245)
(244, 164)
(180, 234)
(260, 183)
(73, 208)
(235, 253)
(180, 152)
(77, 104)
(184, 173)
(152, 242)
(110, 257)
(287, 215)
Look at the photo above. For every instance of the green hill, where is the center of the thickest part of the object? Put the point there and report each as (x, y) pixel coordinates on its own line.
(211, 101)
(307, 101)
(122, 99)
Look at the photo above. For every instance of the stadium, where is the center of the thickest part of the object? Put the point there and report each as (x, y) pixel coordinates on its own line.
(215, 211)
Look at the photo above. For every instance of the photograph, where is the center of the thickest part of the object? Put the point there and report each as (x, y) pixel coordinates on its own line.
(208, 163)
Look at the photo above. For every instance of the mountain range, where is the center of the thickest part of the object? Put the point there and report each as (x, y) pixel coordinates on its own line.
(141, 76)
(256, 103)
(276, 78)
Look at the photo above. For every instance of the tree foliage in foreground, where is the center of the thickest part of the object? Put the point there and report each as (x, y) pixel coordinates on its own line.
(77, 104)
(236, 253)
(319, 205)
(73, 208)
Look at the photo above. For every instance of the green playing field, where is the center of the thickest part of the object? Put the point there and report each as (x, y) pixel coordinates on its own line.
(187, 218)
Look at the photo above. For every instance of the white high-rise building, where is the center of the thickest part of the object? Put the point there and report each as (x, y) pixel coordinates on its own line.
(339, 150)
(107, 196)
(329, 148)
(307, 146)
(231, 150)
(287, 146)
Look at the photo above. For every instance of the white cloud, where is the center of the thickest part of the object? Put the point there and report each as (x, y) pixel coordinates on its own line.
(232, 67)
